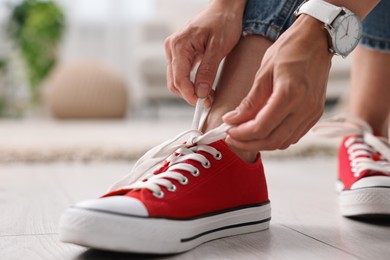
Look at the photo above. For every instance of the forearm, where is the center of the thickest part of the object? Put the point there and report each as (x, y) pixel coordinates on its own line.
(361, 8)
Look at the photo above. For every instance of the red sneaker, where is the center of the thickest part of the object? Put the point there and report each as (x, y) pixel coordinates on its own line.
(201, 192)
(364, 167)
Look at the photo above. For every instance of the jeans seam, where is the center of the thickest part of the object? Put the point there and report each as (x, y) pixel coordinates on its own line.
(285, 14)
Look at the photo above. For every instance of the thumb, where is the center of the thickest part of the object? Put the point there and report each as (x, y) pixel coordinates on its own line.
(206, 73)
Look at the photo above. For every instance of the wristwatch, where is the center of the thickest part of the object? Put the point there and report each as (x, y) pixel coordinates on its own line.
(344, 27)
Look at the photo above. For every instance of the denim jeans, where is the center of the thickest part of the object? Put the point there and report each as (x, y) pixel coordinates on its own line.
(270, 18)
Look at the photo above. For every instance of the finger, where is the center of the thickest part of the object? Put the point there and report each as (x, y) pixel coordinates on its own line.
(170, 85)
(182, 61)
(169, 74)
(266, 120)
(275, 140)
(207, 71)
(210, 99)
(182, 81)
(197, 59)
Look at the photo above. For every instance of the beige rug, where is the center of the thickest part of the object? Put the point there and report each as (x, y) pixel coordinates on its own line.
(23, 141)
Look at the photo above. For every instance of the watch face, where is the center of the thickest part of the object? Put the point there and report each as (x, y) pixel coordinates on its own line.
(347, 33)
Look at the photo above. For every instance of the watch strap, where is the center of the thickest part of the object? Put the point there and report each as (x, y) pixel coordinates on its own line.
(321, 10)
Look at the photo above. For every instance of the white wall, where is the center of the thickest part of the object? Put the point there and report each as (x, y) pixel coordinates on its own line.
(107, 30)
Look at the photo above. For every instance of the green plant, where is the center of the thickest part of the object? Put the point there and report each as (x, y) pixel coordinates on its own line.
(36, 26)
(3, 64)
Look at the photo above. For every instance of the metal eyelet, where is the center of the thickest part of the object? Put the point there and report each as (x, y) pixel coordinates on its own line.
(206, 164)
(218, 156)
(195, 173)
(184, 181)
(172, 188)
(159, 194)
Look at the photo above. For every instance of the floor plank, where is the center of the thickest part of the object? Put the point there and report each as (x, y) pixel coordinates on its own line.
(305, 225)
(276, 243)
(304, 199)
(31, 201)
(36, 247)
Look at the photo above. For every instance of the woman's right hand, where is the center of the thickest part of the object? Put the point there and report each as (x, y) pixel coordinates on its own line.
(207, 39)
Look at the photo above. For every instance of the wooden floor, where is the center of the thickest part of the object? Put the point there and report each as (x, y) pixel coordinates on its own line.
(305, 220)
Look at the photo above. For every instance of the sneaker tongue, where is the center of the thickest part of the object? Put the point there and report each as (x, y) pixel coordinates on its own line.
(115, 193)
(137, 194)
(162, 169)
(125, 192)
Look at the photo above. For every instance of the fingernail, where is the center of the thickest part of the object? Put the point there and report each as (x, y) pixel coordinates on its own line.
(202, 90)
(232, 114)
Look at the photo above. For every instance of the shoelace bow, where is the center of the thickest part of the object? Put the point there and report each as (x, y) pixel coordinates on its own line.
(367, 152)
(173, 154)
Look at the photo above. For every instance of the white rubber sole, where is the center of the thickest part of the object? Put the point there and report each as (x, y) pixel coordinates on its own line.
(365, 201)
(109, 231)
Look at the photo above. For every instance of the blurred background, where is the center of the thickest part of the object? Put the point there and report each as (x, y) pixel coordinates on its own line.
(85, 80)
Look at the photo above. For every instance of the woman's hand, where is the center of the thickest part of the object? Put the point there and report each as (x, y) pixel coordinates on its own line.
(288, 94)
(207, 39)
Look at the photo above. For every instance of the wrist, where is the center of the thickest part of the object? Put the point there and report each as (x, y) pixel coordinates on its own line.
(315, 32)
(344, 27)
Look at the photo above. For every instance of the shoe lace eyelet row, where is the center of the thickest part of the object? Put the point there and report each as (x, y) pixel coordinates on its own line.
(367, 153)
(160, 194)
(185, 180)
(165, 156)
(179, 162)
(359, 152)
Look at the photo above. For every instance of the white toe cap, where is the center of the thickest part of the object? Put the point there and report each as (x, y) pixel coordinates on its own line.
(116, 204)
(372, 181)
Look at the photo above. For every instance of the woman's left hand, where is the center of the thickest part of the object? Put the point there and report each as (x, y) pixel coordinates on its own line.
(288, 94)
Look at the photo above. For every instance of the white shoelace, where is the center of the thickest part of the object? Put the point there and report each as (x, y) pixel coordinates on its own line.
(360, 146)
(174, 152)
